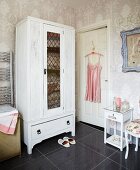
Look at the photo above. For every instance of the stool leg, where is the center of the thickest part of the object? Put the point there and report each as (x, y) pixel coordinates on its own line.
(127, 144)
(137, 141)
(130, 139)
(121, 142)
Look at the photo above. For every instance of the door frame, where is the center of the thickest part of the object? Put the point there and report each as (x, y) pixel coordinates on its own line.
(102, 24)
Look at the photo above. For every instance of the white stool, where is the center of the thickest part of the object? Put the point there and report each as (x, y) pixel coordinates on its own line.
(132, 129)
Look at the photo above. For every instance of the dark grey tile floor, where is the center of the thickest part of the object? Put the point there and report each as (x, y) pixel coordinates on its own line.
(89, 153)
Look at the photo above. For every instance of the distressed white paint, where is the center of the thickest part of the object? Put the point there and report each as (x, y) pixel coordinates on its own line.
(40, 123)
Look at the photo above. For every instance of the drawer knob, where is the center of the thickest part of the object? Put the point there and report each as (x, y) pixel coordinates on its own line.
(112, 117)
(68, 122)
(38, 131)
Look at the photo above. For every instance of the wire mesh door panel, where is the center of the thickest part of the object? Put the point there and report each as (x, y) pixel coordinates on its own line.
(53, 69)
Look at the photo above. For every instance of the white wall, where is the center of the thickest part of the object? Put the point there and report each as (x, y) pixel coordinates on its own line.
(123, 15)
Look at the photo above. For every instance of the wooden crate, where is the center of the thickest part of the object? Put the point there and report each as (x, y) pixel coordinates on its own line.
(10, 145)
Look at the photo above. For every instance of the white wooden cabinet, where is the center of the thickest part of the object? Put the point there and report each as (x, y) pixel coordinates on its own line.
(45, 79)
(114, 117)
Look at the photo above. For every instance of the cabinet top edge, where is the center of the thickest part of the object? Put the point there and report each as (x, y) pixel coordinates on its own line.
(29, 18)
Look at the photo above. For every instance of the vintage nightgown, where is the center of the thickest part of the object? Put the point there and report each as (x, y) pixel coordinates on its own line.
(93, 87)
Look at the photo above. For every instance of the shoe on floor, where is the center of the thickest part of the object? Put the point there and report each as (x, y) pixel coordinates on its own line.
(71, 140)
(64, 142)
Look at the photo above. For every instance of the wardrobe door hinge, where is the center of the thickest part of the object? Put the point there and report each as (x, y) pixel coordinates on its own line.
(63, 70)
(63, 108)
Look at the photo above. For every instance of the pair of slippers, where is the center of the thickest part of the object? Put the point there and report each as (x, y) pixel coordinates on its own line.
(66, 141)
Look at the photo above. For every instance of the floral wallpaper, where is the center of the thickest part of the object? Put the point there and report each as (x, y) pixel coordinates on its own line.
(124, 15)
(12, 11)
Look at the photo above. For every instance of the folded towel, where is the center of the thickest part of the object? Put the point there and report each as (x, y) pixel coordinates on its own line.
(8, 123)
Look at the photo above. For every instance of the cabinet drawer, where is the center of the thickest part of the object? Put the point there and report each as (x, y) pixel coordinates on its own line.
(113, 115)
(37, 131)
(51, 127)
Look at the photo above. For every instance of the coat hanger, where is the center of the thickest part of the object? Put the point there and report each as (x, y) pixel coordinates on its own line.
(93, 51)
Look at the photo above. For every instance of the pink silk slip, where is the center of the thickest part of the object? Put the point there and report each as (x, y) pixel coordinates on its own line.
(93, 87)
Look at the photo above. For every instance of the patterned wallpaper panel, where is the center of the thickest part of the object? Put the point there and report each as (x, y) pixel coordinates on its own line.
(124, 15)
(12, 11)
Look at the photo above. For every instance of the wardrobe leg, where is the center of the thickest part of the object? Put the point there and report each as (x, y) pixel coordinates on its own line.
(73, 133)
(29, 149)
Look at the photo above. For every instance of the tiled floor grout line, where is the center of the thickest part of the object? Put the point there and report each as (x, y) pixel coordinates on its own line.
(92, 127)
(76, 140)
(82, 145)
(117, 163)
(109, 159)
(84, 136)
(112, 161)
(50, 151)
(80, 141)
(62, 148)
(99, 164)
(91, 149)
(85, 147)
(28, 160)
(100, 153)
(47, 157)
(96, 151)
(39, 151)
(51, 162)
(112, 153)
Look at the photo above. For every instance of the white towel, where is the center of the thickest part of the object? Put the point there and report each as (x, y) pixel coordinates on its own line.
(8, 123)
(8, 119)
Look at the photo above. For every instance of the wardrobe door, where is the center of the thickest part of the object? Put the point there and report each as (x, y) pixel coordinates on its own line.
(35, 65)
(69, 70)
(53, 70)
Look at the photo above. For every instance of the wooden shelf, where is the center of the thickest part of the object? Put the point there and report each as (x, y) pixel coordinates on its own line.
(115, 140)
(53, 49)
(56, 71)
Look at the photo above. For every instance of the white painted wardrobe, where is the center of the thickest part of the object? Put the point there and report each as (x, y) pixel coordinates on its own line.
(45, 79)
